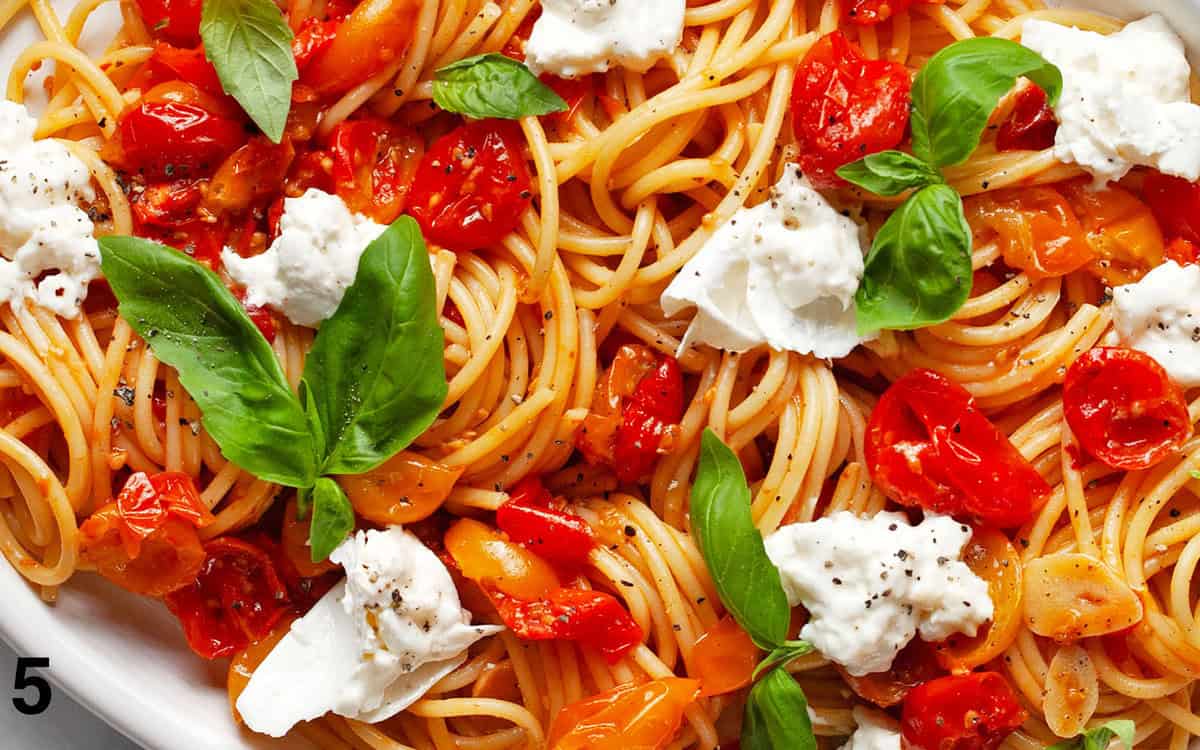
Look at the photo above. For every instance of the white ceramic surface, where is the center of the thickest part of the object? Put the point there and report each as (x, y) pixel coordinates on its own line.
(124, 657)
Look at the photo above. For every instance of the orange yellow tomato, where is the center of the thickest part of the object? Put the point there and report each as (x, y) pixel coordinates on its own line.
(639, 715)
(724, 658)
(1036, 229)
(405, 489)
(992, 557)
(487, 557)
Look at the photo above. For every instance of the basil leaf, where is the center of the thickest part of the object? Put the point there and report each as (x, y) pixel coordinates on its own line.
(1100, 737)
(918, 272)
(493, 85)
(746, 580)
(782, 656)
(250, 45)
(889, 173)
(375, 377)
(332, 518)
(958, 89)
(193, 323)
(777, 715)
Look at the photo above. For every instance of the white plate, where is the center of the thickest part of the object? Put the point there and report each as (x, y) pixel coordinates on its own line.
(124, 657)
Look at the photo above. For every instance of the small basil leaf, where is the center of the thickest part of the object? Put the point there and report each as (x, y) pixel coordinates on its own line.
(332, 518)
(1100, 737)
(250, 45)
(958, 90)
(733, 548)
(918, 272)
(493, 85)
(782, 656)
(375, 377)
(193, 323)
(889, 173)
(777, 715)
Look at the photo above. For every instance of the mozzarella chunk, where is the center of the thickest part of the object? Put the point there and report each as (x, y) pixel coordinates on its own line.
(876, 731)
(872, 584)
(49, 253)
(1125, 99)
(305, 272)
(372, 646)
(1160, 315)
(783, 273)
(576, 37)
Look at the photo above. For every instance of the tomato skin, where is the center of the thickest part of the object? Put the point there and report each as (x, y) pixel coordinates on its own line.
(1175, 203)
(167, 204)
(250, 176)
(406, 488)
(1124, 235)
(1124, 409)
(592, 618)
(845, 106)
(374, 34)
(491, 560)
(871, 12)
(374, 163)
(913, 666)
(928, 445)
(167, 559)
(724, 658)
(1184, 252)
(529, 518)
(1036, 228)
(177, 21)
(169, 63)
(235, 599)
(992, 557)
(644, 715)
(1031, 126)
(313, 38)
(146, 502)
(973, 711)
(472, 186)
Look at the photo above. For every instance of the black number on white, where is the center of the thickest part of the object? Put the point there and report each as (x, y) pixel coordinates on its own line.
(25, 681)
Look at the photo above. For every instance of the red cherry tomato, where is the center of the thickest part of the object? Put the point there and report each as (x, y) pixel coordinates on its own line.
(168, 559)
(871, 12)
(916, 664)
(845, 106)
(202, 240)
(374, 34)
(529, 518)
(973, 711)
(1031, 126)
(472, 186)
(1184, 252)
(313, 38)
(235, 600)
(1175, 203)
(928, 445)
(374, 162)
(177, 21)
(251, 176)
(169, 63)
(1124, 409)
(146, 502)
(167, 204)
(592, 618)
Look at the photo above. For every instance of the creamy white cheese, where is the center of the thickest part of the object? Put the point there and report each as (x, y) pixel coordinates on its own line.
(1160, 315)
(372, 646)
(876, 731)
(782, 273)
(577, 37)
(871, 584)
(1125, 99)
(305, 272)
(49, 254)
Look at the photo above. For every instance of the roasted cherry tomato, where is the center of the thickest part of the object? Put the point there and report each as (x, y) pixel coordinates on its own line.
(724, 658)
(313, 38)
(374, 34)
(491, 560)
(1031, 126)
(635, 412)
(244, 662)
(871, 12)
(168, 63)
(992, 557)
(913, 666)
(251, 176)
(235, 600)
(167, 204)
(146, 502)
(1184, 252)
(167, 559)
(644, 715)
(592, 618)
(175, 131)
(928, 445)
(1124, 409)
(374, 162)
(1122, 230)
(472, 186)
(177, 21)
(405, 489)
(530, 518)
(294, 539)
(1036, 228)
(961, 712)
(1176, 205)
(845, 106)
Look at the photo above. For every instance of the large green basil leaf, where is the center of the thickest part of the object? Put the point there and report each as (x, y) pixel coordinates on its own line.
(957, 91)
(733, 548)
(332, 518)
(918, 272)
(493, 85)
(194, 324)
(777, 715)
(375, 377)
(889, 173)
(250, 45)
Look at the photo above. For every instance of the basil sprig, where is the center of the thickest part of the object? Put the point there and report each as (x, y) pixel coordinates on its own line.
(374, 380)
(918, 272)
(1100, 737)
(250, 45)
(493, 85)
(749, 586)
